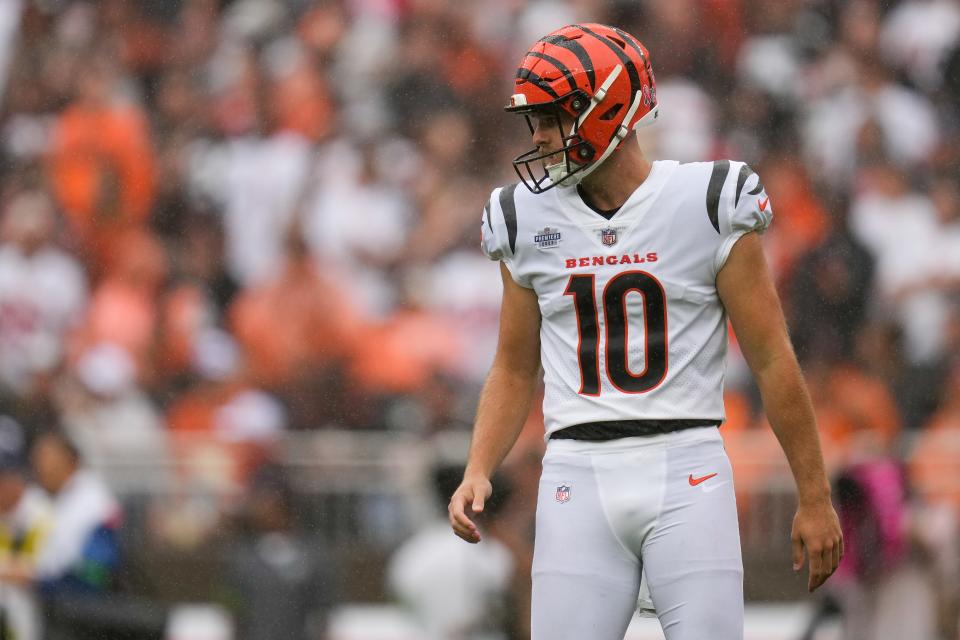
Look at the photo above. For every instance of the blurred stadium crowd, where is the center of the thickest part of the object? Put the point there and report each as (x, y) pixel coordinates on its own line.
(244, 218)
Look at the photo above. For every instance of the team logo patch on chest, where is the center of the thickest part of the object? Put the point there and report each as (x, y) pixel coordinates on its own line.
(563, 493)
(547, 238)
(608, 236)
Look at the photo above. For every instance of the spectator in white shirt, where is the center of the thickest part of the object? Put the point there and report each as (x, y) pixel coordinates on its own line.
(81, 553)
(25, 514)
(43, 292)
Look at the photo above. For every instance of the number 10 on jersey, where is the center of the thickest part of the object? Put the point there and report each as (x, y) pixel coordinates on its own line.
(614, 299)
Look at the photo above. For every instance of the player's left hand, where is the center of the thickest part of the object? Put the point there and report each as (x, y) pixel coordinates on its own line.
(816, 530)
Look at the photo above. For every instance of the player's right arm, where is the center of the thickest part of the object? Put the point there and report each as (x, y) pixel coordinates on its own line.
(747, 290)
(504, 402)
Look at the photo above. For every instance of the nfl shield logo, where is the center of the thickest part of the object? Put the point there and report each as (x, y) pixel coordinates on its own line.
(563, 493)
(608, 237)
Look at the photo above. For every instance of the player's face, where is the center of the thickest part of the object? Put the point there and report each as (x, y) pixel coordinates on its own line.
(548, 132)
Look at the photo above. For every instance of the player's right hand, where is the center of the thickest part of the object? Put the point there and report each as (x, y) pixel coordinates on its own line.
(471, 494)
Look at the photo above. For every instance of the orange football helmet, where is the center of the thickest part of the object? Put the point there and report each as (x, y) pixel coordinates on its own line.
(598, 75)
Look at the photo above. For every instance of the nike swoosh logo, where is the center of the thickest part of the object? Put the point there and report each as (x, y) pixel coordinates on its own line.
(763, 203)
(695, 481)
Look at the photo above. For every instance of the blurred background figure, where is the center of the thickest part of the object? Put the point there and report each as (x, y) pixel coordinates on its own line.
(43, 292)
(81, 552)
(880, 591)
(25, 522)
(474, 591)
(279, 584)
(455, 590)
(235, 232)
(79, 561)
(105, 412)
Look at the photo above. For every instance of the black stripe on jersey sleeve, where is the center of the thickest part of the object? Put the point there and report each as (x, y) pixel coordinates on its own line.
(757, 189)
(509, 208)
(717, 178)
(486, 215)
(745, 172)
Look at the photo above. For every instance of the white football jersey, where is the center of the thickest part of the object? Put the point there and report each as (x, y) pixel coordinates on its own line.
(633, 327)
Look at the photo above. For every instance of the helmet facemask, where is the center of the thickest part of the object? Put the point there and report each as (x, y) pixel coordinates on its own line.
(540, 171)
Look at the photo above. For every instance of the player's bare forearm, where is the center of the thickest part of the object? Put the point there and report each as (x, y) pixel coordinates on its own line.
(790, 413)
(505, 399)
(504, 402)
(503, 410)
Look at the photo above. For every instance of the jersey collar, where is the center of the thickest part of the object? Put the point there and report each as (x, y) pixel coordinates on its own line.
(633, 210)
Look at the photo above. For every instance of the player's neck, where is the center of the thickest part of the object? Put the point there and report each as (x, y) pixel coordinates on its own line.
(616, 179)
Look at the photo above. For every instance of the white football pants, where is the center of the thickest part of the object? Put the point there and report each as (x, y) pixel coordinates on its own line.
(608, 511)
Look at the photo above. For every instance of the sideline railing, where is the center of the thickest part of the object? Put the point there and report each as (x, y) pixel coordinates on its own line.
(362, 493)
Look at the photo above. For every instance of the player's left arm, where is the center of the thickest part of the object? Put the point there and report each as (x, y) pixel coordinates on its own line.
(748, 293)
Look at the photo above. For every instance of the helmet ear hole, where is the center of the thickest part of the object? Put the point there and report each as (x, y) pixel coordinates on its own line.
(585, 153)
(612, 112)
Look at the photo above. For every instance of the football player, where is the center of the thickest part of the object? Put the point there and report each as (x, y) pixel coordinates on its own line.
(619, 275)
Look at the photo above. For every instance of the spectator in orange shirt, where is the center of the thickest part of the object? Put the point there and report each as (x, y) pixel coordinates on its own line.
(124, 307)
(101, 160)
(804, 222)
(221, 417)
(297, 326)
(856, 401)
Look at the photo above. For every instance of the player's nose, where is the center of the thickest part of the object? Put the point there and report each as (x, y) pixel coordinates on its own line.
(542, 135)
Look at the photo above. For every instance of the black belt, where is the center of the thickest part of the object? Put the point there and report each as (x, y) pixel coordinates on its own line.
(611, 430)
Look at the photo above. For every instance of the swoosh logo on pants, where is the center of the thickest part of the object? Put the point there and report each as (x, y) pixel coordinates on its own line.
(695, 481)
